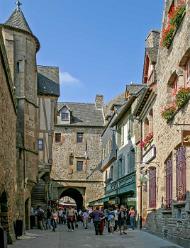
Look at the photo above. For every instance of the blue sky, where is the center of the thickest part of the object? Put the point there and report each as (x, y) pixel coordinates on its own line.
(97, 44)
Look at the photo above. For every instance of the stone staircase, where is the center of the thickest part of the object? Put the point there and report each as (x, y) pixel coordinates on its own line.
(38, 197)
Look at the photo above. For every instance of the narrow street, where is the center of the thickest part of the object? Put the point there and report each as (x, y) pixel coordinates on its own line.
(82, 238)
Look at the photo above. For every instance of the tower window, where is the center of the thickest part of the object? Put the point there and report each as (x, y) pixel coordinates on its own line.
(79, 137)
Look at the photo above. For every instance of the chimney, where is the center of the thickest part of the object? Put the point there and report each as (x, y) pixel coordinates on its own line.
(99, 101)
(153, 39)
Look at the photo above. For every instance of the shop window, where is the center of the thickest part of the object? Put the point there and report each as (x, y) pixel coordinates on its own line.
(169, 182)
(181, 173)
(152, 188)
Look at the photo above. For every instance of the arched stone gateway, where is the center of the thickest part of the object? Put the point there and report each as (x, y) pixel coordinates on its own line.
(74, 194)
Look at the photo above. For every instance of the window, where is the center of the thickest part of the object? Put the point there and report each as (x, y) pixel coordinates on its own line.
(18, 67)
(111, 172)
(79, 165)
(71, 159)
(175, 87)
(57, 137)
(169, 182)
(187, 69)
(79, 137)
(64, 116)
(40, 144)
(181, 173)
(152, 188)
(120, 136)
(120, 168)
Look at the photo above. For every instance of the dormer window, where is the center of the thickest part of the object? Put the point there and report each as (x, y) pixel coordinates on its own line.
(64, 116)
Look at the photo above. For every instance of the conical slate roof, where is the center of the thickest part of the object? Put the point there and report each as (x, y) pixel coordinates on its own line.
(17, 20)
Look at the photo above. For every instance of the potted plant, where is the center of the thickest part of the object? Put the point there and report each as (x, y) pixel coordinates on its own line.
(168, 112)
(177, 15)
(183, 96)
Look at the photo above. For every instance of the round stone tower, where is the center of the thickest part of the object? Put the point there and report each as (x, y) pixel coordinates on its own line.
(21, 48)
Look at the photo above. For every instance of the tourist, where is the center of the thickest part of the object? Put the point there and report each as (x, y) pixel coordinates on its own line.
(111, 221)
(71, 216)
(97, 216)
(40, 217)
(85, 217)
(132, 215)
(122, 220)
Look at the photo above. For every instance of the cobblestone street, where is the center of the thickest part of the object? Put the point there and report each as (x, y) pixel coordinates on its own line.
(85, 238)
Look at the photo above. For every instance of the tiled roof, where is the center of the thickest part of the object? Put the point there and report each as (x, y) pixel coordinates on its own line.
(17, 20)
(48, 81)
(134, 89)
(84, 114)
(118, 100)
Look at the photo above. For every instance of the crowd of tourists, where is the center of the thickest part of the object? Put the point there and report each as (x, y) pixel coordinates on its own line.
(114, 218)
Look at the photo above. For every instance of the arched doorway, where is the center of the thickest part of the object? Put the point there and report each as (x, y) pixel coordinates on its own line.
(74, 194)
(27, 215)
(4, 217)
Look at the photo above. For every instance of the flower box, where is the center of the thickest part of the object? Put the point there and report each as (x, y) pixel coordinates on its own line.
(168, 112)
(176, 17)
(182, 97)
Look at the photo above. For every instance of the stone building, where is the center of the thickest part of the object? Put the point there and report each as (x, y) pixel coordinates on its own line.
(8, 147)
(143, 115)
(168, 184)
(77, 152)
(121, 186)
(48, 93)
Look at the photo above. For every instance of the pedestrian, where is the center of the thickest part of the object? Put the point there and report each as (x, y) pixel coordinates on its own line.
(70, 218)
(97, 216)
(85, 217)
(48, 218)
(40, 217)
(60, 213)
(116, 212)
(32, 218)
(132, 215)
(122, 220)
(54, 219)
(111, 220)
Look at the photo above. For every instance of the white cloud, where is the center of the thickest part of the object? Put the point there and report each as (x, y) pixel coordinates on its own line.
(67, 79)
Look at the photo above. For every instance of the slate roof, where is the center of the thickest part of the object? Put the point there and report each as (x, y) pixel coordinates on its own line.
(17, 20)
(48, 81)
(84, 114)
(134, 89)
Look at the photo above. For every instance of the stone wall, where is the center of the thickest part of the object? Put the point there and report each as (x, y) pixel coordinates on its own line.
(8, 146)
(67, 174)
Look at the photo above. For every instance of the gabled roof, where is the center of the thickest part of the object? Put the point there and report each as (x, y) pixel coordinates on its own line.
(17, 20)
(83, 114)
(48, 81)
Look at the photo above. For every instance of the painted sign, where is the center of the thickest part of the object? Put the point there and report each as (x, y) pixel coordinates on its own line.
(186, 138)
(149, 155)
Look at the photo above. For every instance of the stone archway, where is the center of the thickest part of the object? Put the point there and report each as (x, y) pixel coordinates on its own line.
(75, 195)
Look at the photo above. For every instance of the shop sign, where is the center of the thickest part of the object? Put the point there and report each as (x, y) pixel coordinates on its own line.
(149, 155)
